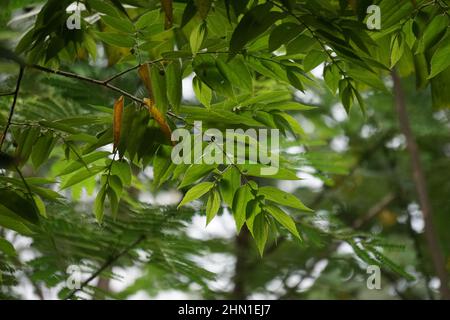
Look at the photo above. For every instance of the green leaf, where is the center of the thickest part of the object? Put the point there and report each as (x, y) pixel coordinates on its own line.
(58, 126)
(19, 204)
(104, 7)
(257, 170)
(196, 192)
(282, 197)
(283, 33)
(13, 224)
(241, 198)
(120, 24)
(293, 124)
(121, 168)
(230, 182)
(174, 84)
(7, 248)
(158, 82)
(113, 201)
(313, 59)
(161, 163)
(441, 58)
(284, 219)
(397, 48)
(81, 175)
(42, 149)
(196, 172)
(116, 39)
(286, 106)
(147, 19)
(99, 204)
(253, 23)
(260, 232)
(25, 146)
(433, 33)
(82, 162)
(198, 35)
(202, 92)
(236, 72)
(40, 206)
(212, 206)
(206, 69)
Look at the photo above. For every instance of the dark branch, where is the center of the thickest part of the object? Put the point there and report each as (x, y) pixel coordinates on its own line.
(7, 94)
(106, 265)
(11, 110)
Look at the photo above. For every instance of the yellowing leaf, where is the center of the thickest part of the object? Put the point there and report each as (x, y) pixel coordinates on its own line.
(144, 74)
(117, 120)
(159, 117)
(167, 7)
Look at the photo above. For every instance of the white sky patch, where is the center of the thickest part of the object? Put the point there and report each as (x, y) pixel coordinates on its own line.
(397, 142)
(276, 285)
(188, 91)
(223, 265)
(309, 181)
(417, 222)
(222, 226)
(308, 97)
(169, 197)
(344, 248)
(316, 272)
(295, 150)
(306, 124)
(127, 277)
(339, 143)
(318, 71)
(338, 112)
(367, 131)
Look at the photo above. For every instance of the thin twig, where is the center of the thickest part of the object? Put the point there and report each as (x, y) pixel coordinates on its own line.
(7, 94)
(11, 110)
(103, 83)
(131, 69)
(106, 265)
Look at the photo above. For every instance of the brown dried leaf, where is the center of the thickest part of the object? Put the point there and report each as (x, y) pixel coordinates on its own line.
(117, 120)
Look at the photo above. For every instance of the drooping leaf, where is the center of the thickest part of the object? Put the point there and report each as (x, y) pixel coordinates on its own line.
(159, 118)
(230, 182)
(198, 35)
(284, 219)
(212, 206)
(283, 198)
(240, 200)
(174, 84)
(117, 121)
(196, 192)
(253, 23)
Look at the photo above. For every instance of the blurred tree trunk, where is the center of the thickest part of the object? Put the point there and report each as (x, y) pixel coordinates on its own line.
(240, 272)
(421, 188)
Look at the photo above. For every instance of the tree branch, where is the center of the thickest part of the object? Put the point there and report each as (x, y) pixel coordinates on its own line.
(11, 110)
(106, 265)
(7, 94)
(421, 188)
(103, 83)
